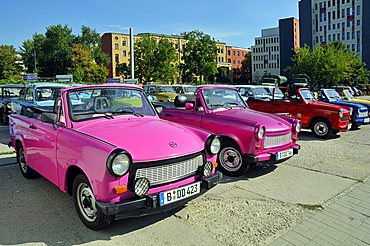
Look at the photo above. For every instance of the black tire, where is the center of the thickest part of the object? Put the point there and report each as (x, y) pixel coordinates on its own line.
(84, 202)
(321, 128)
(2, 117)
(230, 159)
(26, 170)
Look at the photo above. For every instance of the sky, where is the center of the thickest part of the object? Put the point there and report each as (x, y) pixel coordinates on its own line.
(236, 22)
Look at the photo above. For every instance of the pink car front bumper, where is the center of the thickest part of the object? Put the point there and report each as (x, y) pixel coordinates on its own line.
(269, 156)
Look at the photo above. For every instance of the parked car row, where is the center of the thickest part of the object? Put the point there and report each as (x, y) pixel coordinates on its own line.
(121, 156)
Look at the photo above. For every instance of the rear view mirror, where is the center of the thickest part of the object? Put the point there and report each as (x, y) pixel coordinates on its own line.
(189, 106)
(49, 117)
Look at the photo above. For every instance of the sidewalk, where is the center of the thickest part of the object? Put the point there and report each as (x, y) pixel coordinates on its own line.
(344, 222)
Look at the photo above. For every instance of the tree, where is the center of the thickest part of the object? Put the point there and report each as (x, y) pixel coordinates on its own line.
(84, 68)
(243, 75)
(123, 69)
(90, 39)
(9, 68)
(199, 56)
(329, 65)
(155, 60)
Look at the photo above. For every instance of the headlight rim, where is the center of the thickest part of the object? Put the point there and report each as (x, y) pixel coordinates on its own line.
(209, 142)
(257, 131)
(295, 125)
(111, 158)
(341, 111)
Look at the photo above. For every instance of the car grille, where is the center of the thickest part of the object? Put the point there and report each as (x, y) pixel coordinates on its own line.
(171, 172)
(363, 114)
(271, 141)
(345, 118)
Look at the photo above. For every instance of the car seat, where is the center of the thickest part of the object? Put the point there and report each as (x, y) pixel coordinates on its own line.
(101, 105)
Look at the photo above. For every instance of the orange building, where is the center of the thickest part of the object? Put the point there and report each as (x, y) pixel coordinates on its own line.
(235, 56)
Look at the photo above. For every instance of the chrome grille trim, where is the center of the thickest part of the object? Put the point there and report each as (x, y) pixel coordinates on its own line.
(363, 114)
(170, 172)
(272, 141)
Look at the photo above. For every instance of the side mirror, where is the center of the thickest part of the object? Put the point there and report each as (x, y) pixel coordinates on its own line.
(180, 101)
(189, 106)
(159, 109)
(49, 117)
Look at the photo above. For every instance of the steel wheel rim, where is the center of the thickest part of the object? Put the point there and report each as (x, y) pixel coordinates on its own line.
(22, 161)
(230, 159)
(321, 128)
(86, 202)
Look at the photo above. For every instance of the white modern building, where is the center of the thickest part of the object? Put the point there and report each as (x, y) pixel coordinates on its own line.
(265, 54)
(345, 20)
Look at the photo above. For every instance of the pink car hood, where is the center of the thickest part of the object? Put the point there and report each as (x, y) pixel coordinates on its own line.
(273, 123)
(147, 138)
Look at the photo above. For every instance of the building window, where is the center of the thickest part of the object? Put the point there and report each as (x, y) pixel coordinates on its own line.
(348, 35)
(353, 35)
(116, 58)
(238, 53)
(229, 60)
(343, 13)
(358, 10)
(338, 25)
(228, 52)
(115, 38)
(234, 52)
(124, 43)
(353, 47)
(124, 54)
(338, 36)
(233, 61)
(320, 28)
(358, 22)
(116, 46)
(333, 26)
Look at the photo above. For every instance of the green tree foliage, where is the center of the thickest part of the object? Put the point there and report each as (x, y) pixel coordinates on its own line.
(84, 68)
(55, 50)
(155, 60)
(123, 69)
(329, 65)
(199, 56)
(9, 68)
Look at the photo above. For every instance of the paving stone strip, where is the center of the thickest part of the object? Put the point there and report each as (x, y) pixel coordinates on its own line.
(346, 221)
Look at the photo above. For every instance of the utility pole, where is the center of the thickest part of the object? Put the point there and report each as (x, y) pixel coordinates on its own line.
(132, 62)
(34, 54)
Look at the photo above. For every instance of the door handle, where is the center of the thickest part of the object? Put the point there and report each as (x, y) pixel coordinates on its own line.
(166, 114)
(32, 127)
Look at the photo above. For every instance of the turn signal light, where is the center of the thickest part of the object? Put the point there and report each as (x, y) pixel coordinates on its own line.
(259, 148)
(295, 139)
(214, 164)
(119, 189)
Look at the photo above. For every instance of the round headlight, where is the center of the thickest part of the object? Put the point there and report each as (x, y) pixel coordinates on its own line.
(119, 162)
(8, 105)
(207, 169)
(341, 112)
(141, 186)
(213, 144)
(261, 132)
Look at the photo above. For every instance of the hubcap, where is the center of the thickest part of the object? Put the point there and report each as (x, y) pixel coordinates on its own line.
(230, 159)
(22, 161)
(321, 128)
(86, 202)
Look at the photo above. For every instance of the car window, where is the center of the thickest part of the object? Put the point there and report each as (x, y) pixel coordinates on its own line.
(29, 94)
(108, 102)
(47, 93)
(11, 92)
(166, 89)
(216, 98)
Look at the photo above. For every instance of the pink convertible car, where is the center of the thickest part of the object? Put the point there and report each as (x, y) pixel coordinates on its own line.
(249, 137)
(106, 146)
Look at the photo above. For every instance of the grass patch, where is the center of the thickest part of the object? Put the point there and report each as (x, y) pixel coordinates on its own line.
(311, 207)
(7, 153)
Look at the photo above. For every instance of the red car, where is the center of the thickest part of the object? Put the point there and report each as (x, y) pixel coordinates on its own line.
(323, 119)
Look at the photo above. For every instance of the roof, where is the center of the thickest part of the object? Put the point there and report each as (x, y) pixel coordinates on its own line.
(13, 85)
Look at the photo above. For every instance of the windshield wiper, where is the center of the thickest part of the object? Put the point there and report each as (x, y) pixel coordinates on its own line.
(128, 111)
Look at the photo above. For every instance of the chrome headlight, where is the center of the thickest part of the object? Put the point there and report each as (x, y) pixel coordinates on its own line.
(297, 126)
(141, 186)
(118, 162)
(260, 132)
(341, 112)
(8, 105)
(213, 144)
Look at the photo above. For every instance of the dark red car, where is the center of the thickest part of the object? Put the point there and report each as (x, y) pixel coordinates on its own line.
(323, 119)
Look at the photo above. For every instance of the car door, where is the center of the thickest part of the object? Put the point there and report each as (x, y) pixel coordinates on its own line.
(41, 148)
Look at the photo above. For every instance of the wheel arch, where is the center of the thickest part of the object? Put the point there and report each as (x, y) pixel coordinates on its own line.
(71, 174)
(314, 119)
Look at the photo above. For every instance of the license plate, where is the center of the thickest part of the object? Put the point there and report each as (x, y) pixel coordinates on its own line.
(179, 193)
(284, 154)
(367, 120)
(349, 126)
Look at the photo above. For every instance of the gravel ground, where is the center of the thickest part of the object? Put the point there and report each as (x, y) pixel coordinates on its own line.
(241, 221)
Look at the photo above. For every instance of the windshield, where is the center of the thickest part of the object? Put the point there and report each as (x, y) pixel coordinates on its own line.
(307, 95)
(190, 89)
(222, 98)
(47, 93)
(85, 104)
(260, 91)
(348, 94)
(166, 89)
(332, 95)
(278, 92)
(11, 91)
